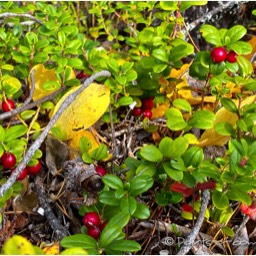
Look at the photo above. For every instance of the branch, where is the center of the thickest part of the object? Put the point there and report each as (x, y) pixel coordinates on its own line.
(23, 15)
(190, 239)
(36, 145)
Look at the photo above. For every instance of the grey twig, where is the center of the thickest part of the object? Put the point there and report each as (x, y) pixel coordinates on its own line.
(59, 231)
(32, 89)
(22, 15)
(190, 239)
(36, 145)
(24, 107)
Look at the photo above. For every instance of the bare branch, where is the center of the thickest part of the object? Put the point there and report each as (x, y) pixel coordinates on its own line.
(190, 239)
(36, 145)
(22, 15)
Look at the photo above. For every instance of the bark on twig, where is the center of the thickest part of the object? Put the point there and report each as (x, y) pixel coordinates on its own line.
(59, 231)
(22, 15)
(36, 145)
(189, 241)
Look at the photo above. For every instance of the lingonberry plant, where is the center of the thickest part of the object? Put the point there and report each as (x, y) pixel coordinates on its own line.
(165, 113)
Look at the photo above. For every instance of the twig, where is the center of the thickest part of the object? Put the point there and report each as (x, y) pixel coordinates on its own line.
(24, 107)
(22, 15)
(15, 174)
(32, 89)
(56, 226)
(190, 239)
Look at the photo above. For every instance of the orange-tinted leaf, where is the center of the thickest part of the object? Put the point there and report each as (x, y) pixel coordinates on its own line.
(53, 249)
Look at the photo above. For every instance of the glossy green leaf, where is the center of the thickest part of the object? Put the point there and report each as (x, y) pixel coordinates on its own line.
(112, 181)
(100, 153)
(146, 169)
(78, 240)
(124, 245)
(139, 185)
(15, 132)
(109, 198)
(128, 204)
(182, 104)
(160, 54)
(176, 175)
(211, 35)
(175, 120)
(2, 133)
(142, 212)
(151, 153)
(62, 38)
(202, 119)
(220, 200)
(245, 66)
(193, 156)
(229, 105)
(235, 33)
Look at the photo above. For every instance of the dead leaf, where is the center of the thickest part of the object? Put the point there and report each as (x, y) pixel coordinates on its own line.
(53, 249)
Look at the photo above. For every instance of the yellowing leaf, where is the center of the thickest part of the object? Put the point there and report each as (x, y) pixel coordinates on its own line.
(52, 249)
(84, 111)
(43, 76)
(74, 251)
(160, 110)
(18, 245)
(252, 42)
(75, 140)
(210, 137)
(177, 73)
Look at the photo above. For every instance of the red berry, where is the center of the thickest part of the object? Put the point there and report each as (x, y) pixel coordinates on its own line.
(218, 54)
(91, 219)
(249, 210)
(81, 75)
(8, 160)
(103, 225)
(8, 105)
(93, 232)
(100, 170)
(35, 168)
(231, 57)
(187, 208)
(137, 111)
(23, 174)
(148, 103)
(147, 113)
(243, 162)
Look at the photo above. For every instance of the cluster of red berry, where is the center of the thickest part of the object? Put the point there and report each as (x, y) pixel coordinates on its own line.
(8, 161)
(94, 224)
(145, 109)
(220, 54)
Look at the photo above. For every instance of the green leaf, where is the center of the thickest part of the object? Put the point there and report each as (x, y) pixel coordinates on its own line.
(125, 101)
(158, 68)
(113, 66)
(2, 133)
(182, 104)
(229, 105)
(15, 132)
(51, 85)
(234, 193)
(142, 212)
(74, 251)
(245, 66)
(217, 68)
(202, 119)
(32, 38)
(100, 153)
(79, 240)
(211, 35)
(176, 175)
(109, 198)
(184, 5)
(113, 228)
(131, 75)
(228, 231)
(151, 153)
(62, 38)
(112, 181)
(124, 245)
(225, 129)
(128, 204)
(27, 114)
(235, 33)
(75, 63)
(146, 169)
(193, 156)
(160, 54)
(165, 147)
(175, 120)
(220, 200)
(85, 144)
(139, 185)
(168, 5)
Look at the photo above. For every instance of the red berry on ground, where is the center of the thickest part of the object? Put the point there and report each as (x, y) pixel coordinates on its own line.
(23, 174)
(8, 105)
(218, 54)
(103, 225)
(147, 113)
(100, 170)
(137, 111)
(93, 232)
(231, 57)
(35, 168)
(91, 219)
(148, 103)
(8, 160)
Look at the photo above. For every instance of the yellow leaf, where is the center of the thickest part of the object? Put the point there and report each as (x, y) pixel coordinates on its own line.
(84, 111)
(18, 245)
(177, 73)
(75, 141)
(160, 110)
(74, 251)
(52, 249)
(43, 75)
(252, 42)
(210, 137)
